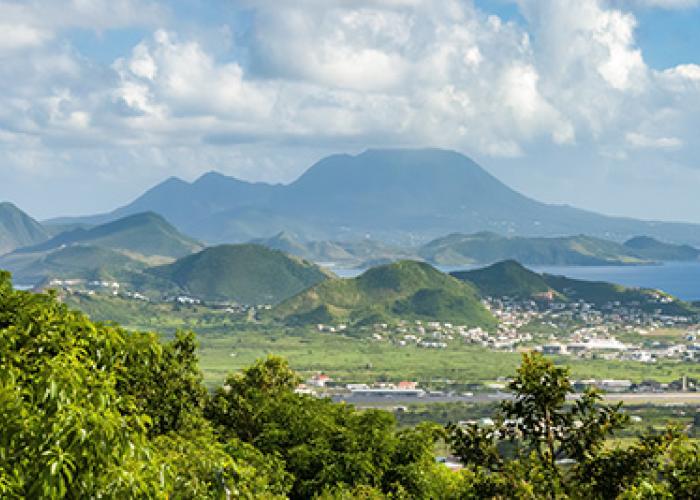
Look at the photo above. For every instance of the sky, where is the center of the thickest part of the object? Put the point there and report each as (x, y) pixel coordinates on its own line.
(591, 103)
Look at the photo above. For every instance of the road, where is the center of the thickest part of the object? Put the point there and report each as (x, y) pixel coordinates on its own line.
(657, 398)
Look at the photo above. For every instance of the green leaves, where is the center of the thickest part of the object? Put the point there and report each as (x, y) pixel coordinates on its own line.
(539, 427)
(82, 407)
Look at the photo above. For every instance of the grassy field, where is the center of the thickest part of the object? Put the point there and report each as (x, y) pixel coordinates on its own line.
(358, 360)
(229, 343)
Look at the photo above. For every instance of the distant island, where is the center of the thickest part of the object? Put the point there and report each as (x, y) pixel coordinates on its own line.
(403, 197)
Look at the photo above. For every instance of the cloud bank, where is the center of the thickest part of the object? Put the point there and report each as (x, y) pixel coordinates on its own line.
(307, 77)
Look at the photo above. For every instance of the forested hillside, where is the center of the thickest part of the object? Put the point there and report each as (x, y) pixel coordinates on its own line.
(89, 410)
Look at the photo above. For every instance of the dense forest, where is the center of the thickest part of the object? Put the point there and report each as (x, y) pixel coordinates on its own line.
(90, 410)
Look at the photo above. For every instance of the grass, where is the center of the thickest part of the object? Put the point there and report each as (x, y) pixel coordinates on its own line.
(229, 343)
(364, 360)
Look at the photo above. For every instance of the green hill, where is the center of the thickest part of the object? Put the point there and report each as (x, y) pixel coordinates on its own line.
(602, 293)
(74, 262)
(249, 274)
(511, 279)
(646, 247)
(401, 290)
(17, 229)
(486, 247)
(145, 234)
(507, 278)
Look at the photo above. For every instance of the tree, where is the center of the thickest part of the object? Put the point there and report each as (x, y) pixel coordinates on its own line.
(89, 410)
(323, 445)
(542, 446)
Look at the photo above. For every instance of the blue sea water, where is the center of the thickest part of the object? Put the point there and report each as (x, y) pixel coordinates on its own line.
(681, 279)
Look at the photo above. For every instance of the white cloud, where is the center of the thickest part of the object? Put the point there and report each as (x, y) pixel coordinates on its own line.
(20, 36)
(638, 140)
(666, 4)
(335, 75)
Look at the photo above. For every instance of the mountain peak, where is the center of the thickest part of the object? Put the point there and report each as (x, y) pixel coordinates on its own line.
(17, 229)
(212, 176)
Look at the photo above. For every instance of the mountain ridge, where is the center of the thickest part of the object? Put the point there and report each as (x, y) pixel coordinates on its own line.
(18, 229)
(406, 196)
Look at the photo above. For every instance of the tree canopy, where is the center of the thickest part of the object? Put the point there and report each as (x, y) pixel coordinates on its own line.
(92, 410)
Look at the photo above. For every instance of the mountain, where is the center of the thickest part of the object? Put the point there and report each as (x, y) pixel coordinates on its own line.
(248, 274)
(73, 262)
(146, 234)
(17, 229)
(344, 253)
(505, 279)
(399, 196)
(649, 248)
(509, 278)
(401, 290)
(487, 247)
(319, 251)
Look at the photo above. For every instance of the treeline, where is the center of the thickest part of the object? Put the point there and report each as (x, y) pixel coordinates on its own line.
(90, 410)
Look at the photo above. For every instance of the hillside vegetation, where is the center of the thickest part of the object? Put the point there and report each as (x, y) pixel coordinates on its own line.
(509, 278)
(646, 247)
(505, 279)
(401, 290)
(249, 274)
(78, 262)
(89, 410)
(114, 251)
(146, 234)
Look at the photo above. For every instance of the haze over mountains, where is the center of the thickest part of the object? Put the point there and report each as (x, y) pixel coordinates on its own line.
(17, 229)
(110, 251)
(395, 196)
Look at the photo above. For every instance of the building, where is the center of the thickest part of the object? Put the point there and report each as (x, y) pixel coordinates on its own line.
(319, 380)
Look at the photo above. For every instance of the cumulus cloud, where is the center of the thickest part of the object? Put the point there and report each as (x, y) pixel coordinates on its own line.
(666, 4)
(323, 75)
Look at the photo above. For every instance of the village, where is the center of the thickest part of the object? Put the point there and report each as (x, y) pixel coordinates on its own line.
(577, 329)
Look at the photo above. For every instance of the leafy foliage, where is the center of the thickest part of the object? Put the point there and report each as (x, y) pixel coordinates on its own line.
(89, 410)
(543, 447)
(323, 444)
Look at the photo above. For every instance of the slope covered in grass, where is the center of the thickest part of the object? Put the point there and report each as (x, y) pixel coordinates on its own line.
(401, 290)
(250, 274)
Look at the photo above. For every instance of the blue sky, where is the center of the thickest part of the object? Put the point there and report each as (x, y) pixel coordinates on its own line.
(593, 103)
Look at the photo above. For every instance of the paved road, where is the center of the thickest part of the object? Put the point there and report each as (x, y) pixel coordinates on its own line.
(629, 398)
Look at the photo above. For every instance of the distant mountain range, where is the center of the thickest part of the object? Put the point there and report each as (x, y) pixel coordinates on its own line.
(404, 197)
(112, 250)
(486, 248)
(122, 249)
(581, 250)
